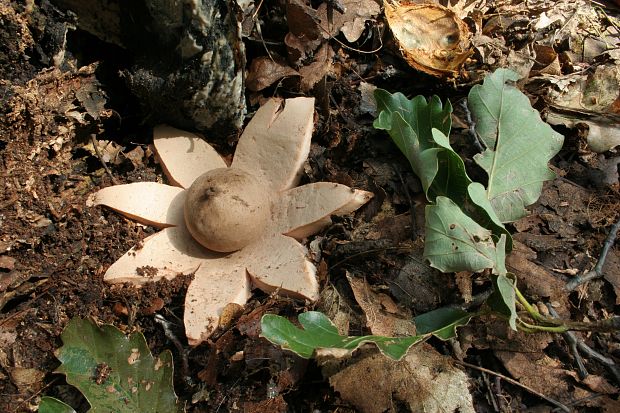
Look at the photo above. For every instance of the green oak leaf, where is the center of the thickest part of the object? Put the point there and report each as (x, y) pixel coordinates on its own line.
(421, 115)
(319, 332)
(53, 405)
(411, 124)
(420, 129)
(114, 372)
(484, 214)
(503, 299)
(442, 322)
(518, 144)
(455, 242)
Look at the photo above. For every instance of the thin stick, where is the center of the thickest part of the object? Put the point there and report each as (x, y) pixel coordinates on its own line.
(350, 47)
(597, 271)
(37, 393)
(487, 383)
(571, 340)
(166, 326)
(105, 166)
(259, 31)
(588, 351)
(516, 383)
(607, 362)
(471, 127)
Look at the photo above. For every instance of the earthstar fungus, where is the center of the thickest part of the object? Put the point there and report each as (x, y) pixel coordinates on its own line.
(233, 226)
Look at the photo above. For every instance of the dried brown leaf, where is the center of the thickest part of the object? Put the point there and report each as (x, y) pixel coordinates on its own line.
(423, 381)
(318, 69)
(383, 317)
(432, 38)
(543, 374)
(264, 72)
(353, 21)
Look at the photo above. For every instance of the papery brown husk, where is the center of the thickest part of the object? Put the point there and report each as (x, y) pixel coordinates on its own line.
(439, 41)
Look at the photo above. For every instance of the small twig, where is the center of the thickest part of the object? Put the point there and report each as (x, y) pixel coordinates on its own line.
(516, 383)
(105, 166)
(166, 326)
(501, 399)
(260, 33)
(487, 383)
(589, 351)
(597, 271)
(472, 127)
(607, 362)
(36, 394)
(571, 340)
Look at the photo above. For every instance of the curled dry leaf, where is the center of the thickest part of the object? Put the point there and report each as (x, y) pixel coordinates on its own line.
(353, 21)
(264, 72)
(432, 38)
(383, 316)
(249, 212)
(305, 33)
(320, 67)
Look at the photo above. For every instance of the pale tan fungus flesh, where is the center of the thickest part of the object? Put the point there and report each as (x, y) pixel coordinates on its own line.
(149, 203)
(227, 208)
(280, 263)
(214, 286)
(266, 146)
(306, 210)
(183, 155)
(166, 254)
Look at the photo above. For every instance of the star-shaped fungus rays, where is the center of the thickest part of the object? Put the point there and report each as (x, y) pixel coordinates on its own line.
(233, 227)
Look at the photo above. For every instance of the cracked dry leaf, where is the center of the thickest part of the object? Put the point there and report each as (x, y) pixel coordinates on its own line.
(383, 316)
(589, 101)
(265, 71)
(463, 8)
(432, 38)
(543, 374)
(305, 33)
(320, 67)
(352, 22)
(423, 381)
